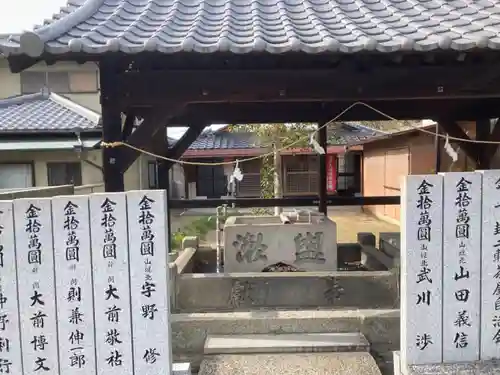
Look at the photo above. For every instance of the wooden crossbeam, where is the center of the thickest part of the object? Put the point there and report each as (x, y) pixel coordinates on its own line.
(142, 137)
(491, 149)
(178, 149)
(145, 88)
(128, 127)
(483, 133)
(248, 113)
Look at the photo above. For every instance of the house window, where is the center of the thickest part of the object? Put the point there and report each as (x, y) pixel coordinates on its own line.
(60, 82)
(16, 176)
(153, 175)
(64, 174)
(349, 172)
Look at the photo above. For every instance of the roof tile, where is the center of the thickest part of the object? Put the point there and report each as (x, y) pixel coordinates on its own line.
(338, 134)
(45, 112)
(224, 140)
(244, 26)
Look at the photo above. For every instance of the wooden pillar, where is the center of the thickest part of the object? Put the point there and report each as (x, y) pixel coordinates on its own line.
(322, 207)
(438, 148)
(483, 156)
(163, 171)
(111, 129)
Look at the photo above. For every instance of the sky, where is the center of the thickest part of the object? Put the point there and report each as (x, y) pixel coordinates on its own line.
(20, 15)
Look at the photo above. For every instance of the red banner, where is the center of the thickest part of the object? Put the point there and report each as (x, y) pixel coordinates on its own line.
(331, 173)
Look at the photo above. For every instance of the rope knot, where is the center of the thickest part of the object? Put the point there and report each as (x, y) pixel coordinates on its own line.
(111, 144)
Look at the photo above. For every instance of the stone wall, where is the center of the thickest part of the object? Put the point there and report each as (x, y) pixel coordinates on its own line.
(303, 290)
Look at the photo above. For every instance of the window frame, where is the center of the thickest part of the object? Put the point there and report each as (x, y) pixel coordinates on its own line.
(153, 182)
(66, 164)
(47, 80)
(31, 164)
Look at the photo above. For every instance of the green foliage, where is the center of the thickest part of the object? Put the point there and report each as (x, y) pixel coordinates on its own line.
(279, 136)
(266, 184)
(176, 239)
(284, 135)
(198, 227)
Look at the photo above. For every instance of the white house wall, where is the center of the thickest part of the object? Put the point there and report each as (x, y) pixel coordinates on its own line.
(10, 85)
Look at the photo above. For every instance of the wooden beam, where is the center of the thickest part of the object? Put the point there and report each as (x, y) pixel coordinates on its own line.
(322, 193)
(143, 135)
(111, 131)
(491, 149)
(437, 147)
(144, 88)
(178, 149)
(279, 112)
(454, 130)
(483, 131)
(128, 127)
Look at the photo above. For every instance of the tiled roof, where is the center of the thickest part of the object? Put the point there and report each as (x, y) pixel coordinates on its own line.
(348, 134)
(45, 112)
(224, 140)
(277, 26)
(338, 134)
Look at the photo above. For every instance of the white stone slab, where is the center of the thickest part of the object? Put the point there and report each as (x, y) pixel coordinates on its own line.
(37, 300)
(286, 343)
(490, 266)
(183, 368)
(10, 348)
(421, 269)
(75, 300)
(149, 281)
(462, 263)
(108, 217)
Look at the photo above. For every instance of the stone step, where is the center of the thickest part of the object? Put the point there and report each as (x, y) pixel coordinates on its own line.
(380, 326)
(360, 363)
(182, 368)
(286, 343)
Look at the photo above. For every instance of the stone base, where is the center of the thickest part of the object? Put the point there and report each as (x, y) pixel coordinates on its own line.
(181, 368)
(470, 368)
(361, 363)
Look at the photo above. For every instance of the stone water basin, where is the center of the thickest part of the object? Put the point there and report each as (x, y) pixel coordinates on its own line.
(252, 243)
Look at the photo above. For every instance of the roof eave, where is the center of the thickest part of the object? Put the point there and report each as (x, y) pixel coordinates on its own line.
(90, 115)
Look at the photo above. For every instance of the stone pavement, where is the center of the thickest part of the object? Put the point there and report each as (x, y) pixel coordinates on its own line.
(361, 363)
